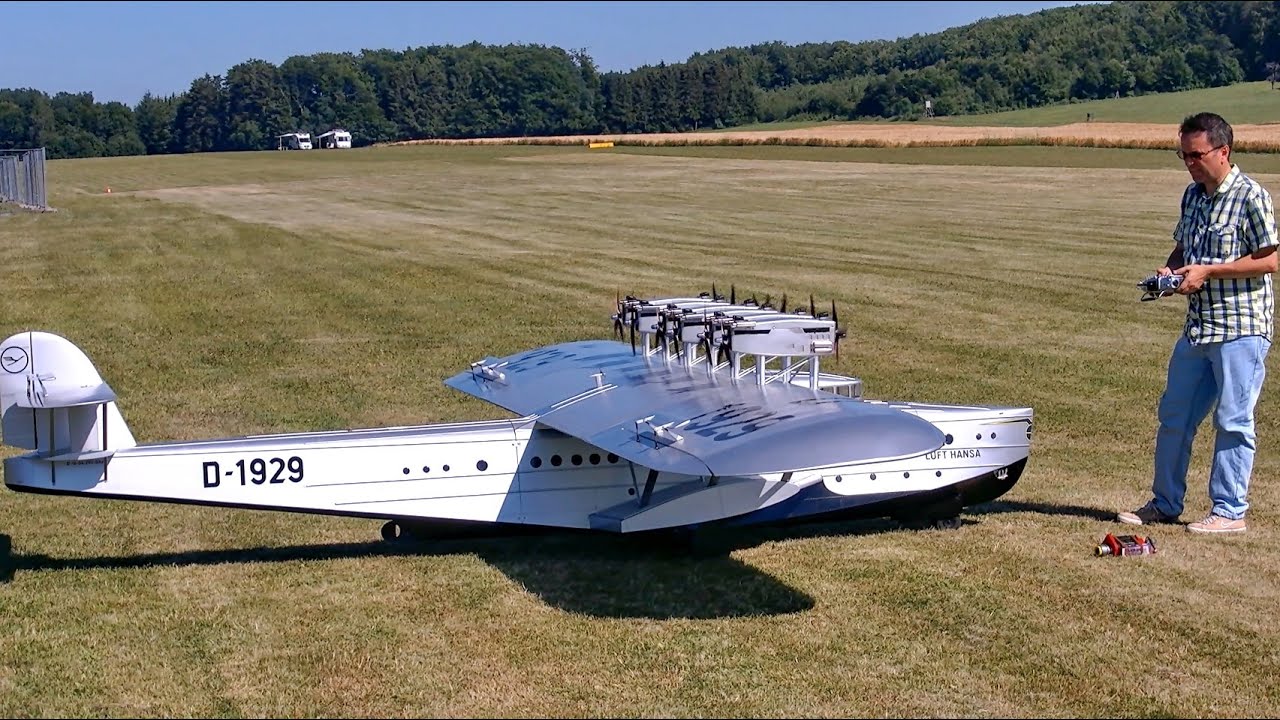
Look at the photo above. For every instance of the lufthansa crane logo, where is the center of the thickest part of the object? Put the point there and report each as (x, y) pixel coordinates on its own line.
(13, 359)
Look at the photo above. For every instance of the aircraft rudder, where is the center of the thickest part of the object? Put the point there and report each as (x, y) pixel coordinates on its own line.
(53, 400)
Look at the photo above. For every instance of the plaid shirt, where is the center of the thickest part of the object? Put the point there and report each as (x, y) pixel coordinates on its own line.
(1237, 220)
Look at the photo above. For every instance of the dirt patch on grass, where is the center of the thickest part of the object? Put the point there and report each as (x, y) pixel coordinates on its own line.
(906, 134)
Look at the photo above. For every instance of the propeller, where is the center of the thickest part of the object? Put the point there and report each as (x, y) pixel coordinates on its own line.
(634, 324)
(709, 335)
(618, 317)
(663, 315)
(840, 332)
(784, 303)
(726, 343)
(679, 331)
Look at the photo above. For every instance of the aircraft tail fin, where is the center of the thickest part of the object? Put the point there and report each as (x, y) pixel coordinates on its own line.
(54, 402)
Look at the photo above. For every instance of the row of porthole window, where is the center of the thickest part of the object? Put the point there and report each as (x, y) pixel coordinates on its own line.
(936, 473)
(594, 459)
(557, 461)
(976, 437)
(482, 465)
(950, 440)
(536, 462)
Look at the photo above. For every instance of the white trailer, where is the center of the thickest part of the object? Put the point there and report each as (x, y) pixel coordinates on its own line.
(336, 138)
(294, 141)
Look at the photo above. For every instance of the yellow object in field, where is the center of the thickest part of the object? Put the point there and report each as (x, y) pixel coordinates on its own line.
(598, 145)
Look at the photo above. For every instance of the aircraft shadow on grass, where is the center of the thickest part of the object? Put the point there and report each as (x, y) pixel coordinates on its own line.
(580, 573)
(661, 576)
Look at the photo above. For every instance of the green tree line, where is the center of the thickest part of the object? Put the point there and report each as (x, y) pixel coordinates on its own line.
(475, 91)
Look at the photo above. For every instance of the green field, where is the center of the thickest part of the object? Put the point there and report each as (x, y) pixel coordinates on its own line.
(263, 292)
(1247, 103)
(1251, 103)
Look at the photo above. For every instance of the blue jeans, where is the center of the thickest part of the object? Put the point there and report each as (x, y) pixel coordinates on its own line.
(1230, 374)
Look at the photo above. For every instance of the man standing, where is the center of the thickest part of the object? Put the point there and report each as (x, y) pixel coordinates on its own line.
(1225, 249)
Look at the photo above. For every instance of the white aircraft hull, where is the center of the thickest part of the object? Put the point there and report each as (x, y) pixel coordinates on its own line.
(515, 472)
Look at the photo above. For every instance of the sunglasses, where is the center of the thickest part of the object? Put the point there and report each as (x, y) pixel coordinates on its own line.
(1196, 154)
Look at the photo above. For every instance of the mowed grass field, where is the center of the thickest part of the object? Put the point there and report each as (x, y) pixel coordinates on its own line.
(247, 293)
(1241, 103)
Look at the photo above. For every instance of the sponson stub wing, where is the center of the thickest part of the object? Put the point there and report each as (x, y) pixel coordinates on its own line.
(674, 418)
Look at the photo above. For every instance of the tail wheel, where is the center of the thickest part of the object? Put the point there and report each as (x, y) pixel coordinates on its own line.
(391, 531)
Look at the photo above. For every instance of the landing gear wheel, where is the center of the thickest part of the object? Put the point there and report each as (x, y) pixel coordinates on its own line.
(947, 523)
(679, 540)
(674, 542)
(392, 532)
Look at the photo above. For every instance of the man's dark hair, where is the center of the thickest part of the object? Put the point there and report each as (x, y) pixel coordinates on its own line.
(1216, 130)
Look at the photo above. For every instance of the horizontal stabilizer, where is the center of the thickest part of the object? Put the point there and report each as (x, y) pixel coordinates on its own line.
(80, 456)
(42, 395)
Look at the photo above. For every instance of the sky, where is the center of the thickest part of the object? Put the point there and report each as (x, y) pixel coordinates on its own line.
(122, 50)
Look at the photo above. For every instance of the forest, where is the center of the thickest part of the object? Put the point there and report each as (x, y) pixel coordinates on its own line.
(476, 91)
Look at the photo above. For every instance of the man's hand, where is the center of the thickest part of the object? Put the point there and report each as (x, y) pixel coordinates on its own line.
(1193, 277)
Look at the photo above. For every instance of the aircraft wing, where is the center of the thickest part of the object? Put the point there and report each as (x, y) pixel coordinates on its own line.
(685, 420)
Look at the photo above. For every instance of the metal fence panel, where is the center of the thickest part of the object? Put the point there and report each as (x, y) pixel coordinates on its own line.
(22, 178)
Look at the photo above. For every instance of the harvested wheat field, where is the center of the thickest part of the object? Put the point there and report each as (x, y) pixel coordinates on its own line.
(1248, 137)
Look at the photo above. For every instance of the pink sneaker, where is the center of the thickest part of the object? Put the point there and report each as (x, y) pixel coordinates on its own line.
(1218, 524)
